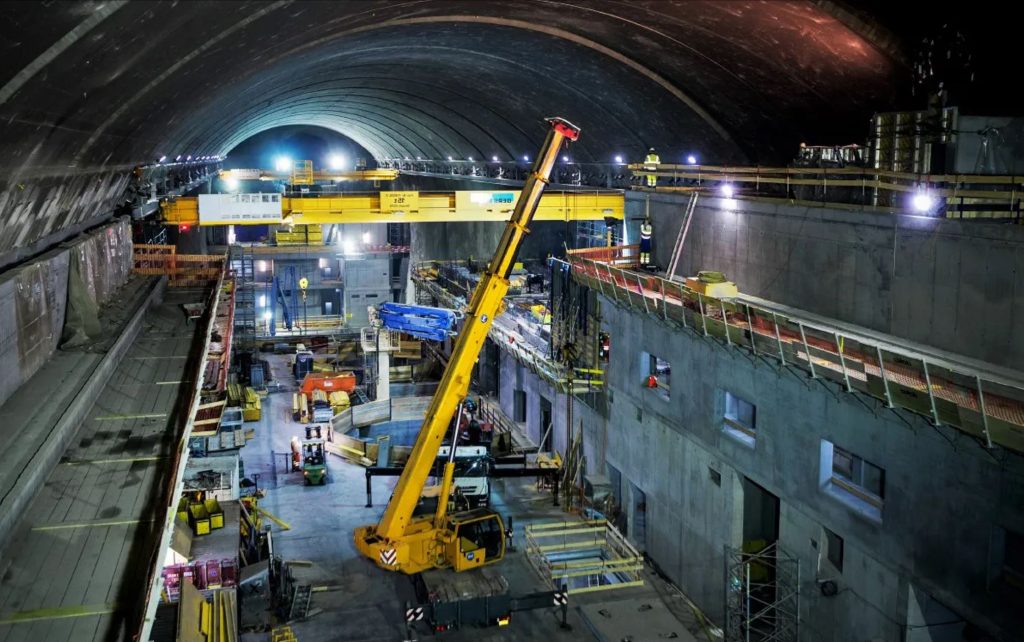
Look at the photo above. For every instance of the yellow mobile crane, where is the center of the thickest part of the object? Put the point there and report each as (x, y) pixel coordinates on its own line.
(467, 539)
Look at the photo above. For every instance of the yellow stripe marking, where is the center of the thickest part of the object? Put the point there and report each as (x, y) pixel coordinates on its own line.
(58, 527)
(159, 415)
(60, 612)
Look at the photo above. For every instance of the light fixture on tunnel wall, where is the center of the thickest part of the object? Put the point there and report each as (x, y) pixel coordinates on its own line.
(618, 159)
(565, 159)
(923, 201)
(419, 158)
(161, 159)
(691, 159)
(188, 158)
(335, 161)
(470, 159)
(727, 190)
(526, 158)
(366, 238)
(282, 163)
(494, 159)
(177, 158)
(449, 158)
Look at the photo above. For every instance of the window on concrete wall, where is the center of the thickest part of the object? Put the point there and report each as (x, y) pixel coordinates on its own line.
(834, 549)
(519, 405)
(740, 419)
(657, 373)
(850, 478)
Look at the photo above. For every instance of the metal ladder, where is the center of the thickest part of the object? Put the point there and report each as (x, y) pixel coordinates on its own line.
(677, 250)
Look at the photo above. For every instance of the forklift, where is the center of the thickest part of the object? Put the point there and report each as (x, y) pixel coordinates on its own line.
(314, 457)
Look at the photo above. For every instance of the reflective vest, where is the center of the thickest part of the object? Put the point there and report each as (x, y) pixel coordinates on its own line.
(652, 159)
(645, 231)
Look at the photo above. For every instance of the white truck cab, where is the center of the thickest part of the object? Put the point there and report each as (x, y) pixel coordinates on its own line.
(472, 467)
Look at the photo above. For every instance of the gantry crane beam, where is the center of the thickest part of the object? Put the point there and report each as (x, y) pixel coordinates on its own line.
(394, 207)
(314, 176)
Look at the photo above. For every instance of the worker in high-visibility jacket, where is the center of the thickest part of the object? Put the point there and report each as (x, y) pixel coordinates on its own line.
(651, 165)
(646, 229)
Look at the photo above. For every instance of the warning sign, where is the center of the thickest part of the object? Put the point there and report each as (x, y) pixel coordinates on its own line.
(399, 202)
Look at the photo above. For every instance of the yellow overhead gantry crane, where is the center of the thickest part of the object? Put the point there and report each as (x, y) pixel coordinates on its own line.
(304, 174)
(387, 207)
(467, 539)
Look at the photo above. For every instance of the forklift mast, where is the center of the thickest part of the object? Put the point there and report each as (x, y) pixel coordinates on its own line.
(398, 542)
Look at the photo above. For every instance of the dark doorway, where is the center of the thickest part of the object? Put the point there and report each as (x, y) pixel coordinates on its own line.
(760, 517)
(546, 429)
(639, 516)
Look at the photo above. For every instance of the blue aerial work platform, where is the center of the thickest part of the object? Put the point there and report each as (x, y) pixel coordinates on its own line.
(417, 320)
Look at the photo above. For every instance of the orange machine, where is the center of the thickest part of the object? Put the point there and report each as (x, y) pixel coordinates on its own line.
(328, 382)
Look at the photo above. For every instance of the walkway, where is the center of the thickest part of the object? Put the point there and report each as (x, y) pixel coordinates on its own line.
(980, 399)
(77, 566)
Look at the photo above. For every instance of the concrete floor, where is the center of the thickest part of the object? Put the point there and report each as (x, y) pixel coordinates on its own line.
(364, 603)
(75, 568)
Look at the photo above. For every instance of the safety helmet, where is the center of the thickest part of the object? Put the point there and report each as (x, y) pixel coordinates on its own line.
(651, 149)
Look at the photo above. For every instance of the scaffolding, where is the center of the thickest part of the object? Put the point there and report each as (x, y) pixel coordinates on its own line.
(762, 595)
(242, 266)
(584, 556)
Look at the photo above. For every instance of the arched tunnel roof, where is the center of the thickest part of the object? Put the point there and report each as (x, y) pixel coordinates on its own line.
(89, 90)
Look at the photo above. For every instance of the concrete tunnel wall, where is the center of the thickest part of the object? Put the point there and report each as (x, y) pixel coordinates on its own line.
(34, 296)
(955, 285)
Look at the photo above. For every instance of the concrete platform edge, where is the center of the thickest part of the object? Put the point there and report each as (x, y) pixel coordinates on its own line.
(66, 427)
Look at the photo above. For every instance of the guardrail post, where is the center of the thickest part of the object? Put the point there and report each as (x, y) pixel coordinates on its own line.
(703, 320)
(611, 279)
(885, 381)
(750, 329)
(778, 338)
(842, 362)
(664, 300)
(725, 321)
(931, 396)
(984, 415)
(643, 296)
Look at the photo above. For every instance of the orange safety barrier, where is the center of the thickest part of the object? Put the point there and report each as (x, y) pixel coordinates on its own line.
(344, 381)
(181, 270)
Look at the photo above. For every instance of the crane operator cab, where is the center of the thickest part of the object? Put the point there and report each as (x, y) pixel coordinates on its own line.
(478, 538)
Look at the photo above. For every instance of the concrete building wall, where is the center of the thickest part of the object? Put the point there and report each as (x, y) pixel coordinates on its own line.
(459, 241)
(513, 376)
(367, 282)
(941, 489)
(955, 285)
(945, 498)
